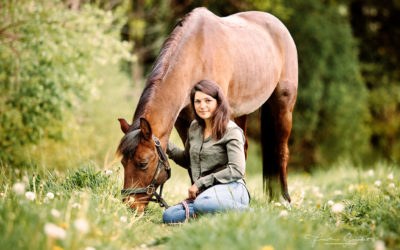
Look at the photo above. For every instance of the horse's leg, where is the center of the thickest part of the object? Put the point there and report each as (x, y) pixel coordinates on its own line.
(182, 125)
(241, 121)
(276, 125)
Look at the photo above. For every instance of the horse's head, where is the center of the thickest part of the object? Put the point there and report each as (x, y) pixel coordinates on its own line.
(140, 160)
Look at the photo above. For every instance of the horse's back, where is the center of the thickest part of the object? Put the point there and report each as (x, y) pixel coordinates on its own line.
(246, 53)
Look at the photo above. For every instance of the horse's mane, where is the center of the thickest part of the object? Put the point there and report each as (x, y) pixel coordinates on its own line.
(128, 144)
(160, 67)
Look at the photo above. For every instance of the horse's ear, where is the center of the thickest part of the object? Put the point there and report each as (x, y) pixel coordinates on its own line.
(145, 128)
(124, 125)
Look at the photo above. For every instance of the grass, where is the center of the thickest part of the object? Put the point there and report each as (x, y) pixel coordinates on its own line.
(86, 207)
(343, 206)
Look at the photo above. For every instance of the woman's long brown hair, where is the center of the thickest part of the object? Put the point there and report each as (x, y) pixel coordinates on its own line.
(221, 116)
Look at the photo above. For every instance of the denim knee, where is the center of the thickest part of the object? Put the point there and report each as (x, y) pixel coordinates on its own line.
(168, 216)
(172, 215)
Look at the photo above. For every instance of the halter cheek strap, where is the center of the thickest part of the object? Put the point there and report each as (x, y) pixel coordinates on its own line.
(151, 189)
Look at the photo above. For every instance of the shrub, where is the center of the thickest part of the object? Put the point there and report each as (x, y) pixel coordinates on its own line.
(46, 55)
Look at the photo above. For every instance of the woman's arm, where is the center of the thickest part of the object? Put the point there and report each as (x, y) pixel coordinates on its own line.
(180, 157)
(236, 165)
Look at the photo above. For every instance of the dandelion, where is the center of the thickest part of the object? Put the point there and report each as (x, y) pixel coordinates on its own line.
(55, 213)
(337, 208)
(283, 213)
(82, 225)
(76, 205)
(54, 231)
(30, 195)
(377, 183)
(123, 219)
(390, 176)
(19, 188)
(370, 172)
(391, 185)
(50, 195)
(108, 172)
(380, 245)
(330, 203)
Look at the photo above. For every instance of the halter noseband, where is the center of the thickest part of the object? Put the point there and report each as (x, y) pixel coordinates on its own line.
(151, 188)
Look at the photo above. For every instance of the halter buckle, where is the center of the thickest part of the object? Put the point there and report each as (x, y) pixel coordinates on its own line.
(150, 190)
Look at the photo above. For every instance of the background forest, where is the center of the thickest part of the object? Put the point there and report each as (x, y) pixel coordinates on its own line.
(349, 84)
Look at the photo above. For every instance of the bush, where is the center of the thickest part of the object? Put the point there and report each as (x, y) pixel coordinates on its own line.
(46, 55)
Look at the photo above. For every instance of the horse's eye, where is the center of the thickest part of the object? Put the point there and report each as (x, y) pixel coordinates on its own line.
(143, 165)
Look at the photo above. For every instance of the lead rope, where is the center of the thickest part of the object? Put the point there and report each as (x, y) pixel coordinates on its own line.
(187, 211)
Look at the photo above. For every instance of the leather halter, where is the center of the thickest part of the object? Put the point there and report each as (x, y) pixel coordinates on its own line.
(151, 188)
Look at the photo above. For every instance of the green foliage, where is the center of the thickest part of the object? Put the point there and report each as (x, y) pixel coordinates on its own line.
(331, 112)
(373, 23)
(88, 177)
(46, 55)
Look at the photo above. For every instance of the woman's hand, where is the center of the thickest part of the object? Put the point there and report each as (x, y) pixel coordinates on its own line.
(193, 191)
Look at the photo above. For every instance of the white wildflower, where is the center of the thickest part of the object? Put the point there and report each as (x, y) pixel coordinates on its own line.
(82, 225)
(278, 204)
(30, 195)
(370, 172)
(123, 219)
(143, 246)
(378, 183)
(337, 192)
(337, 208)
(54, 231)
(108, 172)
(283, 213)
(90, 248)
(55, 213)
(330, 203)
(76, 205)
(50, 195)
(319, 195)
(19, 188)
(391, 185)
(16, 171)
(390, 176)
(380, 245)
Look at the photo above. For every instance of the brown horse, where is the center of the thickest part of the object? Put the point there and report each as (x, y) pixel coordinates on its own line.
(251, 55)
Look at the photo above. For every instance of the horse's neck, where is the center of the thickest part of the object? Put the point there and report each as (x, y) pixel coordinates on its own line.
(168, 99)
(171, 93)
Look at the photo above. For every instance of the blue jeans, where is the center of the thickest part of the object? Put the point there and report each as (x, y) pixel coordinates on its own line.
(218, 198)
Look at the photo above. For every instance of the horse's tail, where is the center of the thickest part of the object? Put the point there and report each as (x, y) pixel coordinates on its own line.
(268, 143)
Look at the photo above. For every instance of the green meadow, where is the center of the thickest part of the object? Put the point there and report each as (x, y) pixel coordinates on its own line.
(71, 200)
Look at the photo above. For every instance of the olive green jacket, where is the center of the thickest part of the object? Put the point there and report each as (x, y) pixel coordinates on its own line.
(212, 162)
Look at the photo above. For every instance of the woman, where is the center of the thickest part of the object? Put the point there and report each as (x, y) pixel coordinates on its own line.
(214, 152)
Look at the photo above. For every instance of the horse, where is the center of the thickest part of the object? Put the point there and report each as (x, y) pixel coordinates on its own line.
(252, 56)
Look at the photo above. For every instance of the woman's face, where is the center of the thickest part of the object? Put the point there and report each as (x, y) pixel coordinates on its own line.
(204, 105)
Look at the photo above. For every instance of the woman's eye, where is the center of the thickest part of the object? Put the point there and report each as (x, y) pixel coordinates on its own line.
(143, 165)
(208, 101)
